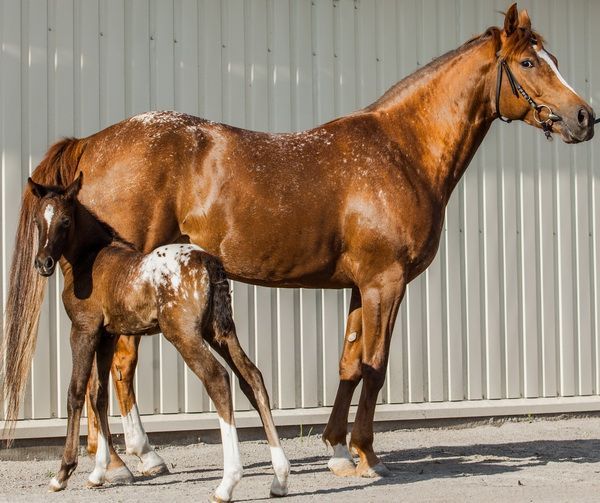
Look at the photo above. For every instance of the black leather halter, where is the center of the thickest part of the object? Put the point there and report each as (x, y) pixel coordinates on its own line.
(518, 89)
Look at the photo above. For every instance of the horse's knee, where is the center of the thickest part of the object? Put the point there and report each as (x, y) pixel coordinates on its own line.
(373, 376)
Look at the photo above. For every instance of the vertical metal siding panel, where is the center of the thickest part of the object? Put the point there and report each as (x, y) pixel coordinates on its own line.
(302, 106)
(430, 47)
(87, 64)
(211, 68)
(34, 32)
(575, 72)
(10, 130)
(528, 257)
(452, 264)
(564, 209)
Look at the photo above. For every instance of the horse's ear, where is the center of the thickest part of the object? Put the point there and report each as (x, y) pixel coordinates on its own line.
(73, 189)
(37, 189)
(511, 20)
(524, 20)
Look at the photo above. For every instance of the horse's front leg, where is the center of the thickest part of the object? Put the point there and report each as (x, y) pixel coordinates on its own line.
(83, 347)
(136, 441)
(380, 299)
(341, 462)
(98, 398)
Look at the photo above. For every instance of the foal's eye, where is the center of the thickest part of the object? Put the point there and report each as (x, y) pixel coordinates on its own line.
(65, 222)
(527, 63)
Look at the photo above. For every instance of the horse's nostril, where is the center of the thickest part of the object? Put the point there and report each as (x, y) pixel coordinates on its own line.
(49, 262)
(38, 263)
(582, 117)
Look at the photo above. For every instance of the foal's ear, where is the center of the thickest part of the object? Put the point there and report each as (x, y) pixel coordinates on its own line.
(37, 189)
(511, 20)
(73, 189)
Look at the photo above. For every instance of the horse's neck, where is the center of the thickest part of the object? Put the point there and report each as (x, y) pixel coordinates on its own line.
(87, 237)
(440, 115)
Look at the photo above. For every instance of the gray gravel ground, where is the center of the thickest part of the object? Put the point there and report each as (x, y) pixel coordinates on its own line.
(515, 461)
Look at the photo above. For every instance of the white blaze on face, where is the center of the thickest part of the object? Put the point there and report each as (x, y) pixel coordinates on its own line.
(48, 215)
(98, 476)
(546, 57)
(232, 463)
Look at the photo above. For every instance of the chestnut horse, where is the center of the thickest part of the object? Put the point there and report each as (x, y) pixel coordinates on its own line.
(355, 203)
(111, 288)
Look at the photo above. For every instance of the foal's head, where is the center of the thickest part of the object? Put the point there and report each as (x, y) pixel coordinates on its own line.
(536, 70)
(53, 218)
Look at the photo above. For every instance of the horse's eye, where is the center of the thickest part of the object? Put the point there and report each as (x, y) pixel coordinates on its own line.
(65, 222)
(527, 63)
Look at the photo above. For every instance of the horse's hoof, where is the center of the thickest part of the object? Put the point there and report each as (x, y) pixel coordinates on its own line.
(154, 471)
(56, 486)
(278, 490)
(215, 499)
(120, 475)
(342, 467)
(377, 471)
(90, 484)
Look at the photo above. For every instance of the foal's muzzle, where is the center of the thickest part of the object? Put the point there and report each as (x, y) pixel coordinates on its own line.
(45, 266)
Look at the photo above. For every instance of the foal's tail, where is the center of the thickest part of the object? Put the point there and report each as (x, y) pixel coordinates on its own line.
(26, 286)
(221, 298)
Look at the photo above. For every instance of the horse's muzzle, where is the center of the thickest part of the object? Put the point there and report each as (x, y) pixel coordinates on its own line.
(45, 266)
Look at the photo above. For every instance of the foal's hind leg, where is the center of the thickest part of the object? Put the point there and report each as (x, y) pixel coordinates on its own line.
(215, 378)
(253, 386)
(341, 463)
(136, 441)
(98, 394)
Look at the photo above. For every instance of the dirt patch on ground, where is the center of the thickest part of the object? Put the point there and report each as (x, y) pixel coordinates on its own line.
(515, 461)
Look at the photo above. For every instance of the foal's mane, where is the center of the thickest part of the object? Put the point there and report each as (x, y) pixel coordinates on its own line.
(513, 46)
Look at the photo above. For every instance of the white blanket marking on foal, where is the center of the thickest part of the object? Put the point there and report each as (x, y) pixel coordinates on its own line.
(162, 267)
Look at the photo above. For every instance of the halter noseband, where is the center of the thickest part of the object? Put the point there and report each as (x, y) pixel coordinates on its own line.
(518, 89)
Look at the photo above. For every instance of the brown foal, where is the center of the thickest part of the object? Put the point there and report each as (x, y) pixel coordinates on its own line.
(355, 203)
(110, 288)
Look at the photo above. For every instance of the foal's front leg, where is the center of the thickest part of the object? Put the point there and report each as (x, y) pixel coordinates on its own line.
(83, 347)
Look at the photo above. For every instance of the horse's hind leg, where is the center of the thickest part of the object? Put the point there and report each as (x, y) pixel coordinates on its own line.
(136, 441)
(107, 460)
(83, 347)
(215, 378)
(341, 463)
(253, 386)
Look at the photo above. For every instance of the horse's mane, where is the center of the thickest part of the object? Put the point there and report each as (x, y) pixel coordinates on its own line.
(513, 46)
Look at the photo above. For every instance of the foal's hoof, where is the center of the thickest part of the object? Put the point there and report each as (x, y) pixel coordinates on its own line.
(56, 486)
(90, 484)
(377, 471)
(120, 475)
(342, 467)
(278, 490)
(215, 499)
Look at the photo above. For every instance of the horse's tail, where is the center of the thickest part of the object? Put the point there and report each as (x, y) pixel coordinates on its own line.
(222, 314)
(26, 286)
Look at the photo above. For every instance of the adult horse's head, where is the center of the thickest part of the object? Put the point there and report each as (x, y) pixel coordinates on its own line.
(53, 218)
(529, 86)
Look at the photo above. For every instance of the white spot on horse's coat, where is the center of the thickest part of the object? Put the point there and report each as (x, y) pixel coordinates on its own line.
(162, 267)
(98, 476)
(232, 463)
(352, 337)
(546, 57)
(136, 441)
(281, 467)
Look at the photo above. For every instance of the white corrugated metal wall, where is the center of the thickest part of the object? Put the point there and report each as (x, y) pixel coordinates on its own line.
(509, 308)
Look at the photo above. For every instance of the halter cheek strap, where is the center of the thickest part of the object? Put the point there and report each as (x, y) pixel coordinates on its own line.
(517, 90)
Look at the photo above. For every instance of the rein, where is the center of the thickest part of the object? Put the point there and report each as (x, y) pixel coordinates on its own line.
(518, 89)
